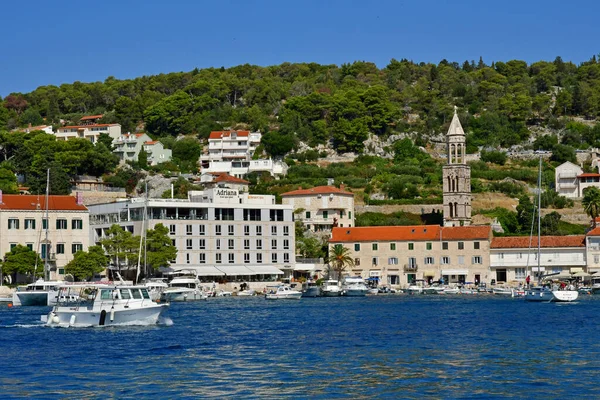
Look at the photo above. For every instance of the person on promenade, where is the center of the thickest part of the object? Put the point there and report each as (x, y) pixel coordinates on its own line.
(527, 280)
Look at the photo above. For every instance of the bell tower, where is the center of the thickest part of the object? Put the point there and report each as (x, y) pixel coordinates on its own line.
(456, 178)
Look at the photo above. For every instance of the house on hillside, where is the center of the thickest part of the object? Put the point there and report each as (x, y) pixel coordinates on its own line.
(90, 132)
(224, 180)
(128, 146)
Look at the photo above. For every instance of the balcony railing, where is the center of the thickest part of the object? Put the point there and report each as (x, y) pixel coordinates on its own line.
(410, 267)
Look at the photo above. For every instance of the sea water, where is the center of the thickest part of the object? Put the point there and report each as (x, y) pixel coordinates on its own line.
(392, 346)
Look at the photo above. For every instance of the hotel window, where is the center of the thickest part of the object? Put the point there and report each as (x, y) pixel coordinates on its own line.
(445, 260)
(252, 215)
(76, 224)
(61, 223)
(172, 229)
(259, 258)
(274, 244)
(393, 261)
(246, 258)
(286, 257)
(477, 260)
(307, 215)
(13, 223)
(30, 246)
(174, 242)
(246, 244)
(412, 262)
(392, 246)
(276, 215)
(461, 260)
(258, 244)
(231, 244)
(258, 230)
(247, 230)
(218, 230)
(476, 245)
(444, 245)
(520, 273)
(429, 260)
(188, 244)
(187, 258)
(202, 229)
(218, 244)
(411, 246)
(428, 246)
(202, 244)
(286, 244)
(375, 260)
(224, 214)
(13, 245)
(30, 224)
(188, 229)
(231, 258)
(202, 259)
(274, 230)
(325, 214)
(75, 247)
(274, 258)
(349, 214)
(374, 246)
(230, 230)
(218, 258)
(461, 245)
(286, 231)
(596, 258)
(60, 248)
(356, 246)
(44, 223)
(357, 261)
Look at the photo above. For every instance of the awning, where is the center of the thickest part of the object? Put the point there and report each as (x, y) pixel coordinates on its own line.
(375, 273)
(575, 270)
(455, 272)
(203, 270)
(431, 272)
(266, 270)
(235, 270)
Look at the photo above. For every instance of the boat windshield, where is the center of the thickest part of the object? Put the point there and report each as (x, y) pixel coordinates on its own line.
(184, 285)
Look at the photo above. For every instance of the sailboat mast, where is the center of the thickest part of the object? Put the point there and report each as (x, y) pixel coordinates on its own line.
(46, 272)
(539, 218)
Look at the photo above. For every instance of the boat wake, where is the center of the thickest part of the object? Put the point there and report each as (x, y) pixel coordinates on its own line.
(21, 326)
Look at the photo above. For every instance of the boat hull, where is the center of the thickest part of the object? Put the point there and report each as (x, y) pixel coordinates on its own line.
(539, 295)
(565, 295)
(286, 296)
(82, 317)
(33, 298)
(355, 292)
(331, 293)
(311, 292)
(180, 295)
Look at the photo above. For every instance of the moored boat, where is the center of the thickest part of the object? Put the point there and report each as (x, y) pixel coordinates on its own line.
(184, 288)
(310, 289)
(331, 288)
(354, 286)
(39, 293)
(283, 292)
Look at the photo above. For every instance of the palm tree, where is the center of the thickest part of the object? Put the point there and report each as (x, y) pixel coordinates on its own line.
(591, 203)
(339, 259)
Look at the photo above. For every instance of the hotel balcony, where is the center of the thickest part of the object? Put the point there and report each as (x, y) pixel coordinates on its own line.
(410, 267)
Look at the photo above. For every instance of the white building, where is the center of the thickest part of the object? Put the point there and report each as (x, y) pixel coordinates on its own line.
(322, 207)
(232, 151)
(566, 182)
(91, 132)
(514, 258)
(128, 146)
(223, 180)
(44, 128)
(23, 221)
(219, 233)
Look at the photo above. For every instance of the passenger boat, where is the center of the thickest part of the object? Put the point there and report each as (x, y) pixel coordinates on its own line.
(331, 288)
(39, 293)
(283, 292)
(354, 286)
(83, 305)
(184, 288)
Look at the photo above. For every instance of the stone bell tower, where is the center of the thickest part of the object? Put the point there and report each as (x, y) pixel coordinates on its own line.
(456, 178)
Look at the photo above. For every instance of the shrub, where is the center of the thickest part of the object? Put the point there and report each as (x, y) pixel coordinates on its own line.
(496, 157)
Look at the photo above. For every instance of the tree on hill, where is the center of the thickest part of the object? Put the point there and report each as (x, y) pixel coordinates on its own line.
(591, 203)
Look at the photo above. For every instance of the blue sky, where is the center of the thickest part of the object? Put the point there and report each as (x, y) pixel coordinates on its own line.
(55, 42)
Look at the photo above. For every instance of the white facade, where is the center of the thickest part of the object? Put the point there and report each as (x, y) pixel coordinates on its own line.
(243, 168)
(128, 146)
(156, 152)
(565, 179)
(213, 228)
(323, 207)
(90, 132)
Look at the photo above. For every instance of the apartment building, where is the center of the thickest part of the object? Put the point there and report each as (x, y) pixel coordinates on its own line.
(128, 146)
(398, 255)
(23, 221)
(512, 259)
(90, 132)
(224, 180)
(217, 232)
(323, 207)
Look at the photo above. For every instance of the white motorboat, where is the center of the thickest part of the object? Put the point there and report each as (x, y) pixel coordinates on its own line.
(451, 290)
(39, 293)
(331, 288)
(156, 287)
(283, 292)
(83, 305)
(417, 287)
(503, 290)
(373, 291)
(184, 288)
(354, 286)
(247, 292)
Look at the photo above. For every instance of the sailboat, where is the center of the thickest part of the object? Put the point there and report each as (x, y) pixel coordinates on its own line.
(42, 292)
(542, 293)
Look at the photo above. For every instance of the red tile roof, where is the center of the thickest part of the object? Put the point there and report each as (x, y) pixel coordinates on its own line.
(408, 233)
(317, 190)
(466, 232)
(588, 175)
(522, 242)
(86, 126)
(151, 142)
(30, 202)
(86, 118)
(224, 177)
(594, 232)
(222, 134)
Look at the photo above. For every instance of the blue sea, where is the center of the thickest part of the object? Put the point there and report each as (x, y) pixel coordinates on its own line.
(385, 346)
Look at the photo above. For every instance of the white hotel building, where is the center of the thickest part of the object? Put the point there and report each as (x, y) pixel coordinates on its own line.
(219, 233)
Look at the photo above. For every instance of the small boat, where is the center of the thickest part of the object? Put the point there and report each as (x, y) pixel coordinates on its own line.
(451, 290)
(83, 305)
(354, 286)
(331, 288)
(417, 287)
(310, 289)
(283, 292)
(39, 293)
(503, 290)
(184, 288)
(372, 291)
(156, 287)
(247, 292)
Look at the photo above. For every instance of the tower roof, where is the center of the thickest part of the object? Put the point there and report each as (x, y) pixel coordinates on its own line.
(455, 126)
